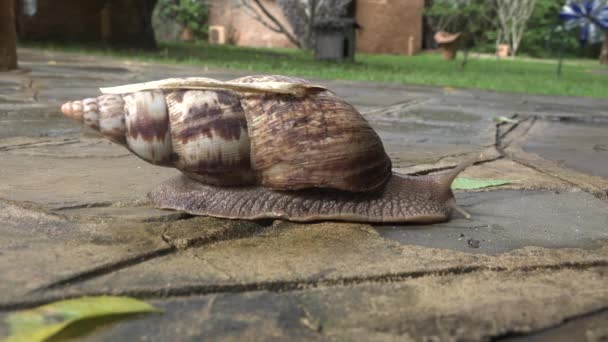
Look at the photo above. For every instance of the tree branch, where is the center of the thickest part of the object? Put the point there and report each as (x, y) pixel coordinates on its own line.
(513, 15)
(250, 11)
(283, 29)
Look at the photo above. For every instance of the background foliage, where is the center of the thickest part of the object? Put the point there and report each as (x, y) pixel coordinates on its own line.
(172, 16)
(471, 17)
(542, 37)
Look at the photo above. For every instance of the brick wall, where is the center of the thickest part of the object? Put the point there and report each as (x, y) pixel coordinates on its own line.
(388, 24)
(247, 30)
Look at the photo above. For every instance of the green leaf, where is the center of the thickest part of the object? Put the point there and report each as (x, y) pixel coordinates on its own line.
(46, 321)
(464, 183)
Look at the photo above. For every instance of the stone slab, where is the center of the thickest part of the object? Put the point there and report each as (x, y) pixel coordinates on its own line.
(34, 120)
(576, 145)
(38, 247)
(60, 173)
(449, 307)
(508, 219)
(413, 134)
(287, 255)
(587, 327)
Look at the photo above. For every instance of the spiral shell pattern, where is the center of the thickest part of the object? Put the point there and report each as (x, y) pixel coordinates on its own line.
(315, 141)
(226, 137)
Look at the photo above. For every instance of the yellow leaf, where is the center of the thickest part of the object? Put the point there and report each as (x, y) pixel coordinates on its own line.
(45, 321)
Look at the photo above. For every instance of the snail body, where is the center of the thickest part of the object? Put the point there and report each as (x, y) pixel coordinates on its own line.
(263, 147)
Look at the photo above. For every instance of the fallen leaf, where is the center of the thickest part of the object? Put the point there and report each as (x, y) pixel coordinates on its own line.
(45, 321)
(464, 183)
(51, 62)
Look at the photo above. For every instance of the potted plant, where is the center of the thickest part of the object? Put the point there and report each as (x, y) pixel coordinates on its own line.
(458, 24)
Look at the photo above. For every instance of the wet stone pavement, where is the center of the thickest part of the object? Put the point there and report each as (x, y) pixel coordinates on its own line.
(531, 264)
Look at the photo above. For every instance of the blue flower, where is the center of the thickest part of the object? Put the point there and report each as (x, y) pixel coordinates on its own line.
(590, 15)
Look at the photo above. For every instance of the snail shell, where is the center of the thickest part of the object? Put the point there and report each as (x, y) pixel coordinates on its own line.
(242, 143)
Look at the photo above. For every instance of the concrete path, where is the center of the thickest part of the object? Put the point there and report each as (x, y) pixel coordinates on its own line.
(532, 264)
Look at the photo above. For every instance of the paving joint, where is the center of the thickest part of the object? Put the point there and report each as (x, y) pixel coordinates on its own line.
(510, 149)
(104, 204)
(291, 285)
(516, 154)
(518, 130)
(509, 335)
(174, 245)
(498, 147)
(37, 144)
(104, 269)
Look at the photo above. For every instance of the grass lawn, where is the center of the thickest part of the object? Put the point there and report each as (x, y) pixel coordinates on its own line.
(579, 77)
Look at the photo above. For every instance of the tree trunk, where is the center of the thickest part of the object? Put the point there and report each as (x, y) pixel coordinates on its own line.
(311, 24)
(146, 37)
(604, 53)
(8, 33)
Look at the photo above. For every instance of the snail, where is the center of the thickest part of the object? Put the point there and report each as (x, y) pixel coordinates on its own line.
(264, 147)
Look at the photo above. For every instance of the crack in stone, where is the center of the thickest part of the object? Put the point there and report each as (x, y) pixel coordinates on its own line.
(176, 216)
(105, 269)
(499, 137)
(508, 335)
(584, 119)
(230, 234)
(554, 171)
(511, 153)
(105, 204)
(173, 247)
(540, 170)
(88, 156)
(499, 140)
(293, 285)
(445, 168)
(38, 144)
(395, 107)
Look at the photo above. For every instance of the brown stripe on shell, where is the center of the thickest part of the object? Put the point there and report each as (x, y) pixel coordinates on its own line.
(229, 128)
(148, 133)
(90, 114)
(227, 98)
(214, 171)
(203, 111)
(218, 164)
(209, 136)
